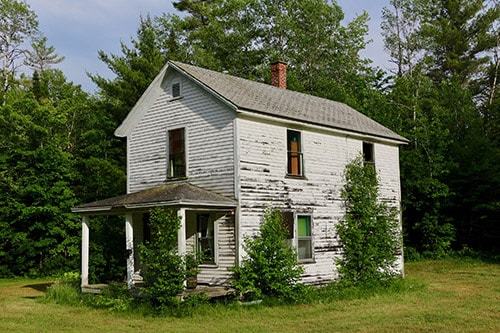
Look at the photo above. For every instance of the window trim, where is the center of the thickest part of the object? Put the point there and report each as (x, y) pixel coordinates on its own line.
(302, 174)
(186, 152)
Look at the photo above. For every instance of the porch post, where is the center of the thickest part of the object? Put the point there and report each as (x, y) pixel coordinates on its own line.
(129, 245)
(85, 251)
(181, 233)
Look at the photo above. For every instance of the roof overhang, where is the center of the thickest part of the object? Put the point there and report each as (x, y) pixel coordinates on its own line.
(180, 194)
(254, 115)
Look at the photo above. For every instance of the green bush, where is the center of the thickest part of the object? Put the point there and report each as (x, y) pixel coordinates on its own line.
(61, 293)
(163, 269)
(270, 268)
(110, 300)
(369, 232)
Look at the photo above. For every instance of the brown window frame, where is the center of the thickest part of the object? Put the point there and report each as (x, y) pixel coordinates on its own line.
(178, 156)
(295, 157)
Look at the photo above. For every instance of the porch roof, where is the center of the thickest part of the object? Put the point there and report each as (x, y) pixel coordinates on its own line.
(171, 194)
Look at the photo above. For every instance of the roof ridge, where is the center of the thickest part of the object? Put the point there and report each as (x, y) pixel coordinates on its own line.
(264, 98)
(266, 85)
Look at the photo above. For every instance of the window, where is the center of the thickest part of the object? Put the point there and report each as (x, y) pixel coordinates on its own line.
(299, 234)
(176, 89)
(176, 153)
(205, 238)
(368, 155)
(304, 237)
(294, 147)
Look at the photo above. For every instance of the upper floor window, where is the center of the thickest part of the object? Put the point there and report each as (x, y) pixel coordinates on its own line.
(176, 153)
(294, 148)
(299, 230)
(176, 89)
(368, 154)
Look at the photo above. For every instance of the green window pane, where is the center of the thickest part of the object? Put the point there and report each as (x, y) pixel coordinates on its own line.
(303, 226)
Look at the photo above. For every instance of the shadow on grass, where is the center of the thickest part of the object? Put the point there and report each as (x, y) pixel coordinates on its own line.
(42, 287)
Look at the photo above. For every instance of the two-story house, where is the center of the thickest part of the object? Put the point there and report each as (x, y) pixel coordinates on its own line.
(221, 149)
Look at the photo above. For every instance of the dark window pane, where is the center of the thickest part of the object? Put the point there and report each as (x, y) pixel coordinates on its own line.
(177, 156)
(368, 155)
(176, 89)
(146, 227)
(288, 222)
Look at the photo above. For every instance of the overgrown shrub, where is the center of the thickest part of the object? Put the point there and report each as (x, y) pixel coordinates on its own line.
(163, 269)
(369, 232)
(62, 293)
(270, 268)
(65, 290)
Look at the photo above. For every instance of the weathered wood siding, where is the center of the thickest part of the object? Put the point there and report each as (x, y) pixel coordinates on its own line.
(209, 135)
(262, 168)
(218, 274)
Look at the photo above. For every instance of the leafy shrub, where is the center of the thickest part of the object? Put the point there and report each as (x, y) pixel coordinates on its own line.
(71, 278)
(163, 269)
(369, 231)
(270, 268)
(411, 254)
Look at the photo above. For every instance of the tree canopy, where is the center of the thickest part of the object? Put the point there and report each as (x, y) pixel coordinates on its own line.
(57, 147)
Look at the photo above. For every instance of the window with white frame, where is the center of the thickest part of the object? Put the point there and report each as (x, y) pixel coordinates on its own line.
(304, 237)
(299, 230)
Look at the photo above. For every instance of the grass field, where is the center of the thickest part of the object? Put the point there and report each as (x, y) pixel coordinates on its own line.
(460, 296)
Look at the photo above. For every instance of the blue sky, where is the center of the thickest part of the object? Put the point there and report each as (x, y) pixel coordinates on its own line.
(79, 28)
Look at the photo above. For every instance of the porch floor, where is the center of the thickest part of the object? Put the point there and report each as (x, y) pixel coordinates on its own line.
(210, 291)
(94, 288)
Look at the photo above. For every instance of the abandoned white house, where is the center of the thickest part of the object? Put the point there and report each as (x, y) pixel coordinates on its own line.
(221, 149)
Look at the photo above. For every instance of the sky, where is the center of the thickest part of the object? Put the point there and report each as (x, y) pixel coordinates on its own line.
(79, 28)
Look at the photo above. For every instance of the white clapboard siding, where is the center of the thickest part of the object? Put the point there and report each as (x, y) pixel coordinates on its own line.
(210, 139)
(263, 161)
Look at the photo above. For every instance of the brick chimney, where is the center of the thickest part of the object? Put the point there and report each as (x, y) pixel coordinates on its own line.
(278, 74)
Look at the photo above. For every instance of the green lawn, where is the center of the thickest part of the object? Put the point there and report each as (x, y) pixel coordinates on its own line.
(460, 296)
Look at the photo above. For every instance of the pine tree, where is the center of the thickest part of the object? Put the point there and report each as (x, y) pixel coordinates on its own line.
(41, 57)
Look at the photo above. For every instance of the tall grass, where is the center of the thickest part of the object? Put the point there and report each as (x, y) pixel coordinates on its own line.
(62, 293)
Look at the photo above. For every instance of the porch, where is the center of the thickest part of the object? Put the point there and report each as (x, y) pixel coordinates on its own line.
(207, 225)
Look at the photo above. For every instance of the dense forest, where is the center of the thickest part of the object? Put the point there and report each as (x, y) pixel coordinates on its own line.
(57, 147)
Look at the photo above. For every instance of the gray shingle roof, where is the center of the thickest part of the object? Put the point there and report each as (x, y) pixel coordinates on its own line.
(172, 193)
(263, 98)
